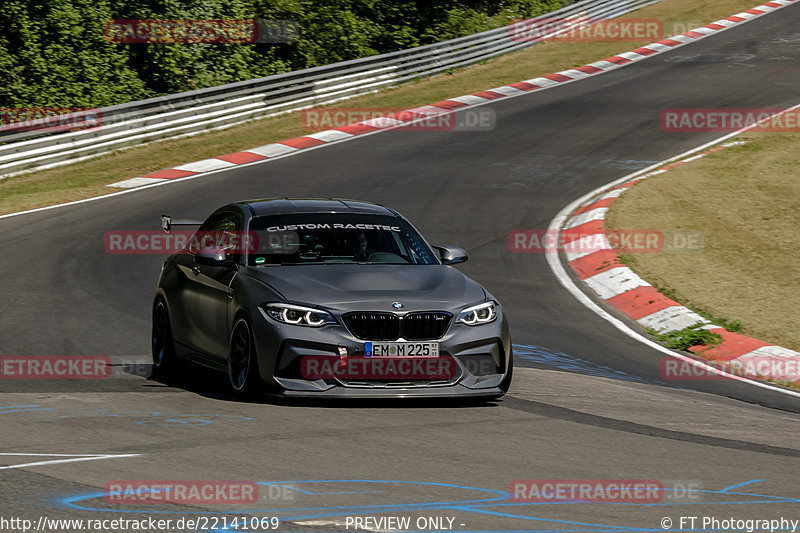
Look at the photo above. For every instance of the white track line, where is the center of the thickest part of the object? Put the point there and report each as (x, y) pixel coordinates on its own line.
(554, 261)
(72, 458)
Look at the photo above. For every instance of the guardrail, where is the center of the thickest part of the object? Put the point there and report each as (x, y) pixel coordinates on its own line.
(190, 113)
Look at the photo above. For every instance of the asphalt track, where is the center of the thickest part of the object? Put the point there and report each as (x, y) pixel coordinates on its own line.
(587, 401)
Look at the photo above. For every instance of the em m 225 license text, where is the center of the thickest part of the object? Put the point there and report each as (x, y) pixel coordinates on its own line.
(401, 349)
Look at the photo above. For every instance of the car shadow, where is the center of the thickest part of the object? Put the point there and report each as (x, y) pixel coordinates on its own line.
(212, 384)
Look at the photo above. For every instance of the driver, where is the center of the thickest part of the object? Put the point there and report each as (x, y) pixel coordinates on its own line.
(363, 250)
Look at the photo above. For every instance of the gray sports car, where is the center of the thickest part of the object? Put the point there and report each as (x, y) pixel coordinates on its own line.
(327, 297)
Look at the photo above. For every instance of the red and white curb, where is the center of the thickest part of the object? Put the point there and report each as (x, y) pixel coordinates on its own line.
(600, 268)
(292, 146)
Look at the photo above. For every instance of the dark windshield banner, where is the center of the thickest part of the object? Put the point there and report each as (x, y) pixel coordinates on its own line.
(337, 238)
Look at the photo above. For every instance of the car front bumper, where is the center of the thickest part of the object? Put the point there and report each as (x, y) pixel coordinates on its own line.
(481, 355)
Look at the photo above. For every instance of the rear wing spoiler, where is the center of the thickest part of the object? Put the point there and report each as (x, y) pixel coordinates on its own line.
(167, 222)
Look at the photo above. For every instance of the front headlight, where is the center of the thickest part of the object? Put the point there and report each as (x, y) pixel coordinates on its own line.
(298, 315)
(478, 314)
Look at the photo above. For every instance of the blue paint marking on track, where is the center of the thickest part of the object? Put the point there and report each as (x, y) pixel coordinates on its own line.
(73, 501)
(150, 418)
(155, 418)
(742, 484)
(168, 421)
(562, 361)
(489, 505)
(18, 408)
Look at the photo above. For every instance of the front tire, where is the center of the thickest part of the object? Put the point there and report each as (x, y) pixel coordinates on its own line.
(164, 359)
(506, 383)
(243, 374)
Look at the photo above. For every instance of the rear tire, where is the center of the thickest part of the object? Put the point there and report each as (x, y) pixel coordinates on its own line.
(164, 358)
(243, 373)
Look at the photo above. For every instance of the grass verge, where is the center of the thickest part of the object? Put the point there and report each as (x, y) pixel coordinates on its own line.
(89, 178)
(687, 337)
(746, 201)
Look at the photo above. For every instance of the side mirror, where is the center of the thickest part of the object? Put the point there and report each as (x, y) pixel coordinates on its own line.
(214, 257)
(451, 255)
(167, 222)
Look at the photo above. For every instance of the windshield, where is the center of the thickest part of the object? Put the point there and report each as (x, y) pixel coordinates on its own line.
(325, 238)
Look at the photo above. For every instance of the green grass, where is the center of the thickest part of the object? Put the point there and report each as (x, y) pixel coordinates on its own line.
(746, 201)
(686, 338)
(89, 178)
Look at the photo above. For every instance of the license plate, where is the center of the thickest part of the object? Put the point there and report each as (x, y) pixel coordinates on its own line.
(401, 349)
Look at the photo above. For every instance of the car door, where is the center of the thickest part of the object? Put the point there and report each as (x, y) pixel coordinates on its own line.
(209, 286)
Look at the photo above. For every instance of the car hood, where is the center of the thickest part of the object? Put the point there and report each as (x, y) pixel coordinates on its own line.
(372, 287)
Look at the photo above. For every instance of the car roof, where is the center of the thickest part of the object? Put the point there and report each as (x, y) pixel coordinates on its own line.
(283, 206)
